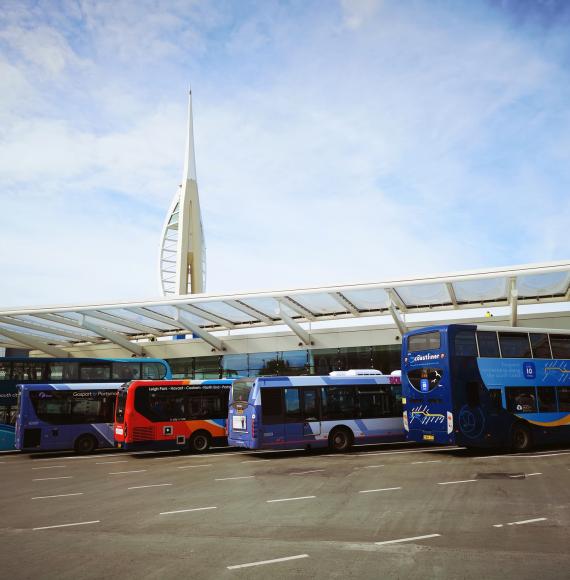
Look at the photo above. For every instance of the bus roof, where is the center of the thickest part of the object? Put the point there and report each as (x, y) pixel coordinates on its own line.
(68, 386)
(311, 380)
(489, 328)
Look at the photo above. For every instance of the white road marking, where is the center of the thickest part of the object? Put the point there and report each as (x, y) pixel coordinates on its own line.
(431, 450)
(531, 474)
(242, 477)
(304, 472)
(109, 462)
(51, 478)
(461, 481)
(291, 498)
(189, 510)
(153, 485)
(262, 562)
(372, 466)
(407, 539)
(432, 461)
(123, 472)
(67, 525)
(524, 455)
(190, 466)
(520, 523)
(524, 475)
(61, 495)
(383, 489)
(49, 467)
(255, 460)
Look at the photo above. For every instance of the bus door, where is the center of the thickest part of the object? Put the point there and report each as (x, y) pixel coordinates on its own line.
(311, 414)
(302, 421)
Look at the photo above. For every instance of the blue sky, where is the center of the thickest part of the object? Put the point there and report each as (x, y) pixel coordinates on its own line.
(336, 142)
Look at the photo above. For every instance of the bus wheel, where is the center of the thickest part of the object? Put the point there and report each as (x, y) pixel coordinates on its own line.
(85, 444)
(340, 439)
(520, 438)
(199, 442)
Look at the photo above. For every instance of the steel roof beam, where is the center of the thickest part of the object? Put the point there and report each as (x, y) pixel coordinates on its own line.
(212, 340)
(112, 336)
(513, 298)
(398, 321)
(303, 335)
(256, 314)
(295, 306)
(42, 328)
(169, 321)
(205, 315)
(27, 340)
(119, 321)
(341, 299)
(452, 296)
(396, 299)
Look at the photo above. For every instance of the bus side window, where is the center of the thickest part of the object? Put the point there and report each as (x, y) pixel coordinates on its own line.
(272, 406)
(564, 399)
(546, 400)
(473, 398)
(292, 405)
(496, 399)
(521, 399)
(310, 404)
(465, 344)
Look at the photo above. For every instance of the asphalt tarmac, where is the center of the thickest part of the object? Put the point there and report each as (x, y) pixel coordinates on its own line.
(384, 511)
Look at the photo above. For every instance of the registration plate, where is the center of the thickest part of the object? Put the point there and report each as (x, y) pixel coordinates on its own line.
(428, 437)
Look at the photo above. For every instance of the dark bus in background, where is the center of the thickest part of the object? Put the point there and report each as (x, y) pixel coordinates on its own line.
(484, 386)
(20, 370)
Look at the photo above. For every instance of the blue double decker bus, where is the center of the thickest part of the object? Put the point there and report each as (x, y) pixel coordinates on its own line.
(308, 412)
(31, 370)
(484, 386)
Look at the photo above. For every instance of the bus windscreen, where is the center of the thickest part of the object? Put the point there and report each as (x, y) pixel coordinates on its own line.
(241, 390)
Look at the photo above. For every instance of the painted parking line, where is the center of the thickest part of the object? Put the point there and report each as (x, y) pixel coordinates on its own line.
(67, 525)
(522, 522)
(452, 482)
(191, 466)
(382, 489)
(60, 495)
(371, 466)
(305, 472)
(255, 460)
(110, 462)
(408, 539)
(229, 478)
(124, 472)
(524, 455)
(523, 475)
(531, 474)
(263, 562)
(50, 467)
(52, 478)
(431, 461)
(153, 485)
(291, 498)
(188, 510)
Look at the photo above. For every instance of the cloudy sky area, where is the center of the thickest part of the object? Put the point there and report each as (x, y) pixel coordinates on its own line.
(336, 142)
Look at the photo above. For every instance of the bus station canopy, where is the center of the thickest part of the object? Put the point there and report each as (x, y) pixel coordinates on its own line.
(130, 324)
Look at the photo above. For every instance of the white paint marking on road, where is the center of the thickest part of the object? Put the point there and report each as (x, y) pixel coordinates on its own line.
(153, 485)
(67, 525)
(430, 450)
(51, 478)
(305, 472)
(190, 466)
(452, 482)
(123, 472)
(520, 523)
(372, 466)
(109, 462)
(242, 477)
(61, 495)
(255, 460)
(383, 489)
(189, 510)
(291, 498)
(524, 455)
(408, 539)
(531, 474)
(432, 461)
(50, 467)
(96, 456)
(262, 562)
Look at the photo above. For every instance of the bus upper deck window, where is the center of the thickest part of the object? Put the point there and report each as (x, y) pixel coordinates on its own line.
(424, 341)
(465, 344)
(515, 345)
(488, 344)
(560, 345)
(540, 345)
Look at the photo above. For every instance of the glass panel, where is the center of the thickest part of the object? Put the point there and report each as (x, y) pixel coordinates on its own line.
(481, 290)
(225, 311)
(425, 341)
(125, 371)
(379, 401)
(5, 369)
(425, 380)
(95, 372)
(521, 399)
(564, 399)
(488, 344)
(28, 370)
(496, 399)
(546, 400)
(153, 371)
(310, 404)
(560, 345)
(63, 371)
(338, 402)
(292, 406)
(540, 345)
(368, 299)
(424, 294)
(319, 303)
(272, 406)
(514, 345)
(241, 390)
(543, 284)
(121, 403)
(465, 344)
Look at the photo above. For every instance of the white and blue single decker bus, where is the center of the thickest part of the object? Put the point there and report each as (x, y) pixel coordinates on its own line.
(484, 386)
(59, 416)
(308, 412)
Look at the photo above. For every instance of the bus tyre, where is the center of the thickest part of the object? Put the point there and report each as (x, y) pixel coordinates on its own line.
(340, 439)
(520, 438)
(199, 442)
(85, 444)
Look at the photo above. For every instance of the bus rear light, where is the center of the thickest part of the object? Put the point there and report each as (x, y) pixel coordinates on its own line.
(253, 427)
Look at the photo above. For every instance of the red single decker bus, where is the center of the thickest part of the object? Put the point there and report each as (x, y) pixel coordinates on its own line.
(183, 414)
